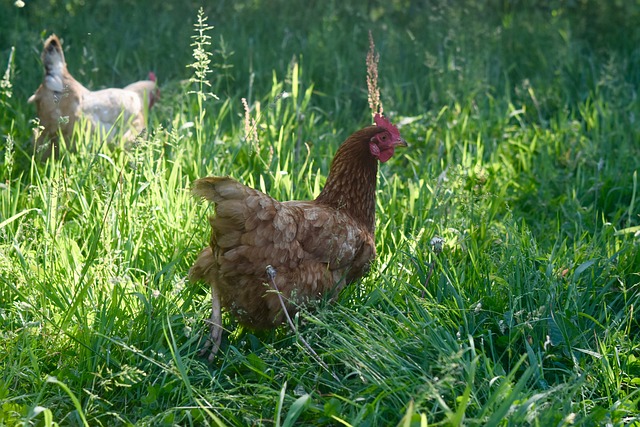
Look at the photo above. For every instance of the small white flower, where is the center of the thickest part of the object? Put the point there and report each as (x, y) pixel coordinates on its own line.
(547, 343)
(155, 293)
(436, 244)
(502, 326)
(299, 390)
(19, 3)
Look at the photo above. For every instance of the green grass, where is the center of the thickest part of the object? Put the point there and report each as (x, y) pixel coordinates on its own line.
(524, 157)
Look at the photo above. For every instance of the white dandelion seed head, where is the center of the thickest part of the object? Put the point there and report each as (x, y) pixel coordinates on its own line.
(437, 243)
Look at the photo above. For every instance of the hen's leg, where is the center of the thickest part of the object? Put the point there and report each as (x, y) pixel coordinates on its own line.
(215, 327)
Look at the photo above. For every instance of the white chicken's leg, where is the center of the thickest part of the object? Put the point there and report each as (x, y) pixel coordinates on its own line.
(215, 327)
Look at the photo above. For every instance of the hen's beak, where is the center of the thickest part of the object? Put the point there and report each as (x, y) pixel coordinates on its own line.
(400, 143)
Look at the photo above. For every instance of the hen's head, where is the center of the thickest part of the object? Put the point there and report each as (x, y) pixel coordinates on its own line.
(382, 145)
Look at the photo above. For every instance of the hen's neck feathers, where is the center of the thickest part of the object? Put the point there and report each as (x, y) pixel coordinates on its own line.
(351, 184)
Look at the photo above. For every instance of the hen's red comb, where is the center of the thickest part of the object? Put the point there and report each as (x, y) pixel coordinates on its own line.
(381, 121)
(152, 76)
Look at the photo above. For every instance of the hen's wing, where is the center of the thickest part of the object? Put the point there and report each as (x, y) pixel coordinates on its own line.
(314, 249)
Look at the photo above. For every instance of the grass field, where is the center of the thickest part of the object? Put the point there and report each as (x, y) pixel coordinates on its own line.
(524, 132)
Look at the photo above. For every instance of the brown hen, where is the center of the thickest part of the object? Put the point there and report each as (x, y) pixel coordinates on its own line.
(316, 247)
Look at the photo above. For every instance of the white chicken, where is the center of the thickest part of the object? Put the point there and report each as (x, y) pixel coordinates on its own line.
(61, 101)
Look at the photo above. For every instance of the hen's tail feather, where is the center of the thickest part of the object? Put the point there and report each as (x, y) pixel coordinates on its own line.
(218, 188)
